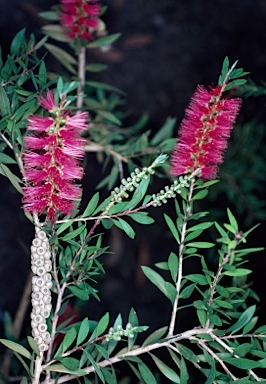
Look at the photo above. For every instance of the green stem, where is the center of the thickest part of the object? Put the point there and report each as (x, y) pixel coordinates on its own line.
(181, 259)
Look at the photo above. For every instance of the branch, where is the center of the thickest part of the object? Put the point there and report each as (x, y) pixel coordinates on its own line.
(227, 348)
(135, 352)
(180, 264)
(213, 354)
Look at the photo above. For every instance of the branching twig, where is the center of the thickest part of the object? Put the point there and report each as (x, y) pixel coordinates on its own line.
(213, 354)
(227, 348)
(135, 352)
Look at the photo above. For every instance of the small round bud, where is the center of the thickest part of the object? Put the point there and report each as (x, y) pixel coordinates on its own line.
(35, 256)
(38, 340)
(40, 282)
(47, 255)
(34, 269)
(39, 319)
(36, 242)
(35, 332)
(45, 313)
(41, 251)
(47, 299)
(48, 266)
(43, 347)
(42, 327)
(49, 284)
(37, 296)
(46, 337)
(40, 271)
(33, 249)
(39, 262)
(41, 235)
(33, 324)
(47, 277)
(36, 310)
(35, 303)
(45, 290)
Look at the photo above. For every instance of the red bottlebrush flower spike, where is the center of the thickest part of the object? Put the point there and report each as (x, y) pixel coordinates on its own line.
(80, 18)
(204, 132)
(51, 159)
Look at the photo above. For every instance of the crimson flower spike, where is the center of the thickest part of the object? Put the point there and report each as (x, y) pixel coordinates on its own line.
(53, 151)
(204, 133)
(80, 18)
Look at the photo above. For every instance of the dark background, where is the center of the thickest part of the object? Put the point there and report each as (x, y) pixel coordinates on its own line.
(167, 48)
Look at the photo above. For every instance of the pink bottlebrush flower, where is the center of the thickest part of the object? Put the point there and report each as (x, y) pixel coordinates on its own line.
(52, 159)
(80, 18)
(204, 132)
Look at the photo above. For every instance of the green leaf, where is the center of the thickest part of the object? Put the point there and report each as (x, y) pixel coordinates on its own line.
(202, 316)
(172, 227)
(186, 292)
(56, 32)
(211, 374)
(72, 234)
(242, 349)
(242, 363)
(110, 377)
(200, 226)
(4, 102)
(187, 353)
(97, 369)
(84, 329)
(49, 15)
(166, 371)
(183, 372)
(197, 278)
(95, 67)
(223, 304)
(237, 272)
(122, 224)
(18, 42)
(69, 338)
(232, 220)
(106, 87)
(164, 132)
(173, 265)
(109, 116)
(101, 327)
(16, 347)
(201, 195)
(70, 363)
(33, 345)
(155, 336)
(80, 293)
(146, 374)
(63, 227)
(62, 369)
(225, 69)
(142, 218)
(243, 319)
(222, 291)
(5, 159)
(91, 205)
(103, 41)
(155, 278)
(62, 56)
(200, 244)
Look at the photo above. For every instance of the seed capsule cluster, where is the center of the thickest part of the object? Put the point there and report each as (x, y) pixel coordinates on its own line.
(41, 265)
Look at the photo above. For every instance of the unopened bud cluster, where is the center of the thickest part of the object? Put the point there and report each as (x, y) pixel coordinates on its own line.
(41, 265)
(120, 332)
(170, 191)
(131, 183)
